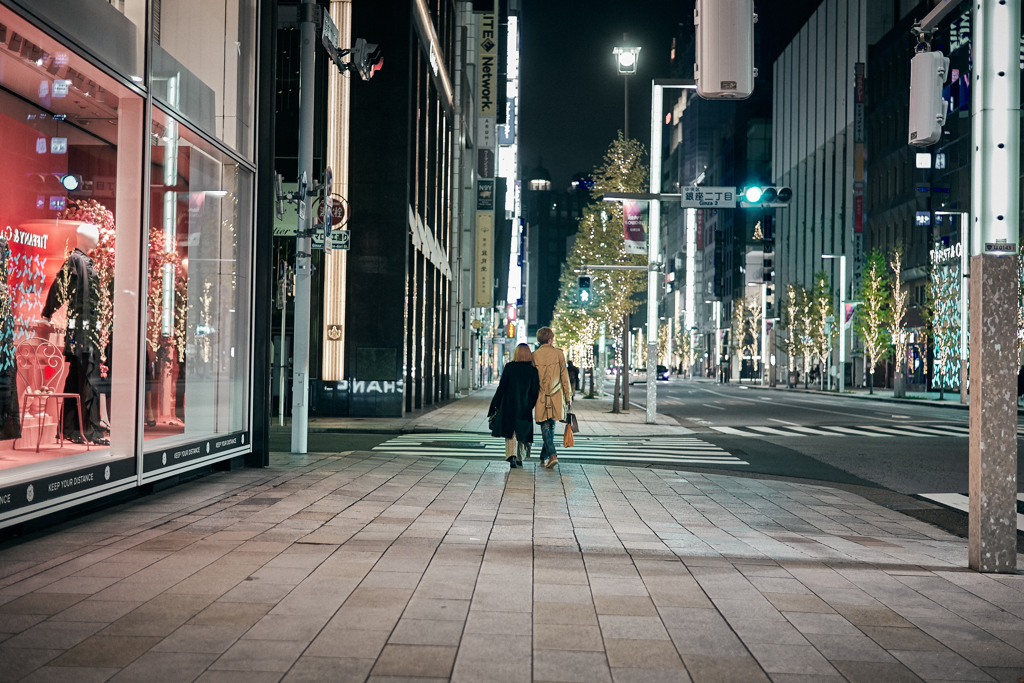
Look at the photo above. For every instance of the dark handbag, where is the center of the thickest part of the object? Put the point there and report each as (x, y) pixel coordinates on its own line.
(494, 422)
(570, 420)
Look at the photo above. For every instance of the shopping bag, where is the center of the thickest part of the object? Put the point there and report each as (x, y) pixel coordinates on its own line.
(494, 422)
(570, 420)
(567, 439)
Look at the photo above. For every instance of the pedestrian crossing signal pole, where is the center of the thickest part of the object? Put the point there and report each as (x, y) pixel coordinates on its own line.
(995, 168)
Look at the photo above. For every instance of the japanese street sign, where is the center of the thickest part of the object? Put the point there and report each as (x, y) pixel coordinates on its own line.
(699, 197)
(339, 210)
(339, 239)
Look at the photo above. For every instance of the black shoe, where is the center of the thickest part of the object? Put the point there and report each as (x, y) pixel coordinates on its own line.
(519, 460)
(100, 441)
(511, 462)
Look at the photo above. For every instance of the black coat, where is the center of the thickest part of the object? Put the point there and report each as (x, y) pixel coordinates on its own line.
(517, 394)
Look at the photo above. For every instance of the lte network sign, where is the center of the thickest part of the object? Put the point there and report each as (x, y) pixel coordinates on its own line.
(708, 197)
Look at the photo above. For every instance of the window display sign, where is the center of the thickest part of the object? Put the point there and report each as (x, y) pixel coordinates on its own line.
(81, 481)
(197, 450)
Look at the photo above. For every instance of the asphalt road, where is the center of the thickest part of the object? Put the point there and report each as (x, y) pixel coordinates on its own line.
(894, 445)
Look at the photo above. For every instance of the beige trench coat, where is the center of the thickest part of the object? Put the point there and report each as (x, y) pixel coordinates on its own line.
(550, 363)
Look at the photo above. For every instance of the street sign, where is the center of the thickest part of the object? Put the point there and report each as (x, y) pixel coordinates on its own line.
(700, 197)
(339, 239)
(339, 210)
(329, 38)
(328, 206)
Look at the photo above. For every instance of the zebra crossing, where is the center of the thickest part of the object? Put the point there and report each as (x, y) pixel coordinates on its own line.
(683, 450)
(961, 502)
(878, 431)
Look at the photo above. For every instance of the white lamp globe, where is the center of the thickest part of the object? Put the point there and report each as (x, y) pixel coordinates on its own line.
(627, 58)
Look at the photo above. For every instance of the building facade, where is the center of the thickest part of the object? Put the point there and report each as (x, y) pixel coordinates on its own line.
(127, 241)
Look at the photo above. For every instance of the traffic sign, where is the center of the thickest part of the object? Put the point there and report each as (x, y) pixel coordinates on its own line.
(701, 197)
(339, 239)
(339, 210)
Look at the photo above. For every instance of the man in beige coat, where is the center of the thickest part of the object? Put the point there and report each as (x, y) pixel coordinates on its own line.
(555, 392)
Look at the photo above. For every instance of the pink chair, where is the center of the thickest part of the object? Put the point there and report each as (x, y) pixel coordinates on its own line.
(41, 369)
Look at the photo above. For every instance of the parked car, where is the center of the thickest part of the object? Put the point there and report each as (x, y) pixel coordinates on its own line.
(663, 372)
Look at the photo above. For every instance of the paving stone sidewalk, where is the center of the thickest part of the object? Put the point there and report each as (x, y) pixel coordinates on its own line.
(364, 566)
(469, 414)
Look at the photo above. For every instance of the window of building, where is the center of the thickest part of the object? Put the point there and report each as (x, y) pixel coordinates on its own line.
(204, 65)
(197, 313)
(70, 212)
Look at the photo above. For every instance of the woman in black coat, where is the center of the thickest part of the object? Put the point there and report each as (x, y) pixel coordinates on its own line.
(516, 395)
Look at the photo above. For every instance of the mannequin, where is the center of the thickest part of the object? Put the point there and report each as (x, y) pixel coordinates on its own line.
(78, 291)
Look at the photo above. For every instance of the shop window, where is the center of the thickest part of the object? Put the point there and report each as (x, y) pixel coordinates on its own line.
(198, 292)
(204, 65)
(70, 211)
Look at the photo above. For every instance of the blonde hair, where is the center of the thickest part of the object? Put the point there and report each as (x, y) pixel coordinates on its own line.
(523, 354)
(545, 334)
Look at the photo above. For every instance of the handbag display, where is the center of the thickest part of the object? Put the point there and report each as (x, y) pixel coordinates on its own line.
(567, 440)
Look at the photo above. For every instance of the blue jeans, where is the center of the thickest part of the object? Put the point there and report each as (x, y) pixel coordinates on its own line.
(547, 435)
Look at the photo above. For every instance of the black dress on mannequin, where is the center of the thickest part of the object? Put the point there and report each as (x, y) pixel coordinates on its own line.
(10, 416)
(79, 346)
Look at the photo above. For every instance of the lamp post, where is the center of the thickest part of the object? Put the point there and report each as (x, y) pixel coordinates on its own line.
(841, 318)
(626, 59)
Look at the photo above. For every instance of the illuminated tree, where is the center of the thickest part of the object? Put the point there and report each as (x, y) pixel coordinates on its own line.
(599, 241)
(821, 306)
(898, 320)
(942, 310)
(873, 313)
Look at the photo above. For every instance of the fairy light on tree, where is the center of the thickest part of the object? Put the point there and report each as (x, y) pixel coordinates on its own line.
(873, 314)
(898, 322)
(822, 305)
(599, 241)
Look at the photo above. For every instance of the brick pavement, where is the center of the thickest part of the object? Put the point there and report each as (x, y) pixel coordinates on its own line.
(363, 566)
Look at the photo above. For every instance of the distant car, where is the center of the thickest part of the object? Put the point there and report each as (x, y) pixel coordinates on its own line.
(663, 372)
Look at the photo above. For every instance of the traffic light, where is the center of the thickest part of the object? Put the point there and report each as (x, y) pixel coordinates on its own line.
(584, 296)
(366, 59)
(724, 67)
(928, 72)
(767, 196)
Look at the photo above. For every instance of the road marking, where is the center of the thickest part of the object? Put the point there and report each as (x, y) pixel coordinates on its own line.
(708, 405)
(792, 424)
(960, 501)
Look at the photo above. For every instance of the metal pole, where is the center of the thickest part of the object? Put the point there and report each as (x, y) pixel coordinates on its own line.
(281, 363)
(303, 240)
(653, 255)
(626, 369)
(995, 169)
(764, 333)
(625, 133)
(965, 264)
(842, 323)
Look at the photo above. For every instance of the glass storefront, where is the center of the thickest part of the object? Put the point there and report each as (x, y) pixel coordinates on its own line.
(125, 313)
(197, 322)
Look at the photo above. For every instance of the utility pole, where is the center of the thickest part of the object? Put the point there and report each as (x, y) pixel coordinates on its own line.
(303, 239)
(995, 167)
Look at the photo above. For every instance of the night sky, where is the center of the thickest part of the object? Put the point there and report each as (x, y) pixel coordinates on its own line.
(570, 91)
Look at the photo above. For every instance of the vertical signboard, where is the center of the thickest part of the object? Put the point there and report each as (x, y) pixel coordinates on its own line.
(634, 219)
(484, 281)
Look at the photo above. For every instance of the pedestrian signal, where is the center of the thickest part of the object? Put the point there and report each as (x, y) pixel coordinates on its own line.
(583, 293)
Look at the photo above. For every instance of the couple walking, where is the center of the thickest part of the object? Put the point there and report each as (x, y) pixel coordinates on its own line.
(534, 387)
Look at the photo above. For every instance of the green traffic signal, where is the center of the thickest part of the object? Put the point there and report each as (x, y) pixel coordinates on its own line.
(583, 293)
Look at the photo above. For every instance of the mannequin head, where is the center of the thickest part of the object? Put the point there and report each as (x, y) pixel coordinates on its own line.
(88, 237)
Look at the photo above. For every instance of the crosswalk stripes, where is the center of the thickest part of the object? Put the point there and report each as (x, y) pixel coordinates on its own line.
(881, 431)
(961, 502)
(676, 450)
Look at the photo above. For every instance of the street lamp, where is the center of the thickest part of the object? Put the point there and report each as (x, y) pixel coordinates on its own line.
(841, 318)
(626, 59)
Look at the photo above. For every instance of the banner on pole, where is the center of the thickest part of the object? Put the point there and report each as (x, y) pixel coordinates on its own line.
(634, 219)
